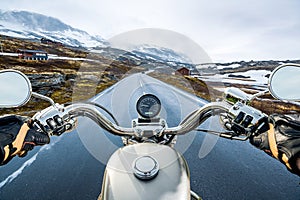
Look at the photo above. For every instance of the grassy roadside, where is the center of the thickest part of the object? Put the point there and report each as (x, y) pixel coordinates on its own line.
(209, 91)
(78, 85)
(59, 78)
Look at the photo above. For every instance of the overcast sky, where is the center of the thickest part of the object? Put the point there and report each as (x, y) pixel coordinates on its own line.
(228, 30)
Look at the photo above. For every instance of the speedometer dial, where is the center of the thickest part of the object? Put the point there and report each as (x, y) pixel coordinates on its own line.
(148, 106)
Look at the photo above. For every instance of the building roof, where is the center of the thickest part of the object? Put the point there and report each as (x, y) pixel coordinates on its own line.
(31, 51)
(183, 68)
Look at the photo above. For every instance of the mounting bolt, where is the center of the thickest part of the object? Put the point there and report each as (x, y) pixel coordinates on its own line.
(139, 132)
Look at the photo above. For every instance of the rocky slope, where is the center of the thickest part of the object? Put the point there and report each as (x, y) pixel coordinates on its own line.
(57, 78)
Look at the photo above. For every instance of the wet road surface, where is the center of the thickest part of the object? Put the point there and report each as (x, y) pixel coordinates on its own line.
(72, 166)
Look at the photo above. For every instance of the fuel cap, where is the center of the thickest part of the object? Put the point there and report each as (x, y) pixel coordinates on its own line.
(145, 167)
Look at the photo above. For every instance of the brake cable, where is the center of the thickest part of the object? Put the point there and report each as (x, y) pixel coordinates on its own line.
(227, 135)
(214, 132)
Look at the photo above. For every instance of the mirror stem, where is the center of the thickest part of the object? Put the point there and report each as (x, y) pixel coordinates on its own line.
(258, 94)
(44, 98)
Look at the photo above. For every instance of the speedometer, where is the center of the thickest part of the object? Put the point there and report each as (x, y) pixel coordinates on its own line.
(148, 106)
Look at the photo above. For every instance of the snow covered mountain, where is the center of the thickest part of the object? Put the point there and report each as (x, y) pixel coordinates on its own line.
(29, 25)
(150, 52)
(147, 56)
(23, 24)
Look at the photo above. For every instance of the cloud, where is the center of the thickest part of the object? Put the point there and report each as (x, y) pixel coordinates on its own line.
(227, 30)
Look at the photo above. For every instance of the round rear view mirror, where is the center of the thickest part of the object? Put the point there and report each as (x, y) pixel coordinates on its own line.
(284, 82)
(15, 89)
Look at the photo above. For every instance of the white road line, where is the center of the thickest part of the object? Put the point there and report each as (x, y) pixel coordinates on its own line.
(19, 171)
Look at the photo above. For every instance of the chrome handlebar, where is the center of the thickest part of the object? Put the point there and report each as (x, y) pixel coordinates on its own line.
(240, 119)
(71, 112)
(87, 110)
(197, 117)
(187, 125)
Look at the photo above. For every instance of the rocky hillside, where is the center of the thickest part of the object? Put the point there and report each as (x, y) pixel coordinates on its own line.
(57, 78)
(12, 44)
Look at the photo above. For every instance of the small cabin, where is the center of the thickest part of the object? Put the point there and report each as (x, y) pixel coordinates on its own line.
(32, 54)
(183, 71)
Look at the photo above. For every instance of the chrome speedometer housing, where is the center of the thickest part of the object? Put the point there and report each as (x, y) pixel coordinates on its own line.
(148, 106)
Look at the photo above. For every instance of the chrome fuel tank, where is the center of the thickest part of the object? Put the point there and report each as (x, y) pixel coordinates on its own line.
(121, 181)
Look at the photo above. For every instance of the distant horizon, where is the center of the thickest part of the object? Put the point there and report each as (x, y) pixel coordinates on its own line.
(214, 62)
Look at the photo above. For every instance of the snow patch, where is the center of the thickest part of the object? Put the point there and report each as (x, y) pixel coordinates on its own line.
(152, 52)
(228, 66)
(252, 77)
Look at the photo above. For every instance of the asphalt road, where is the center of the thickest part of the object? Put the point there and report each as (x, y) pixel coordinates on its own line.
(72, 166)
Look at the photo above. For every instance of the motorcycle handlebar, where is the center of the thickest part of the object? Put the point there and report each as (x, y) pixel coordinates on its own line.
(88, 110)
(188, 124)
(197, 117)
(237, 115)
